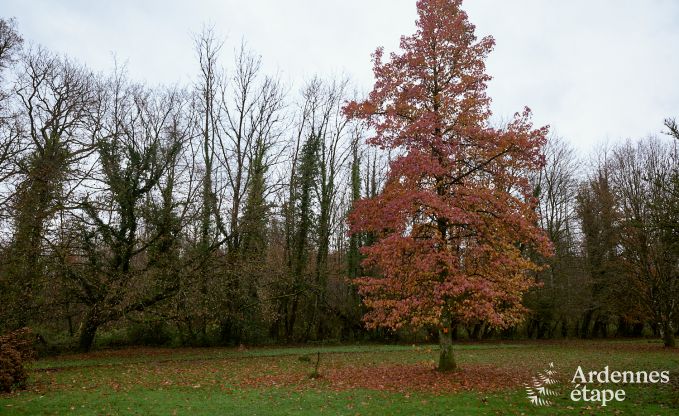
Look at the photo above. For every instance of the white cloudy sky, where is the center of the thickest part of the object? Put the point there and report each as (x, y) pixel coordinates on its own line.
(594, 70)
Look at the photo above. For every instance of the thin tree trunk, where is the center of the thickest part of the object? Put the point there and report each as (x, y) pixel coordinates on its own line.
(446, 357)
(290, 324)
(668, 335)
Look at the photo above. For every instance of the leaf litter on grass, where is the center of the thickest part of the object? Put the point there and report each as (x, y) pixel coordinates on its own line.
(406, 378)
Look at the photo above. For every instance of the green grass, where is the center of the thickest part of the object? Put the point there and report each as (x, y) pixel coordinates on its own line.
(144, 355)
(274, 381)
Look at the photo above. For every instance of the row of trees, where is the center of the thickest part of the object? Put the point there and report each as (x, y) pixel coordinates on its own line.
(216, 209)
(616, 240)
(228, 211)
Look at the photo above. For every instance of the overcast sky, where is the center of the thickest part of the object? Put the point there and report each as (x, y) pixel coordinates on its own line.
(594, 70)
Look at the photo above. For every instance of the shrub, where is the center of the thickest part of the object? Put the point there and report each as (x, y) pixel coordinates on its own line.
(149, 333)
(16, 350)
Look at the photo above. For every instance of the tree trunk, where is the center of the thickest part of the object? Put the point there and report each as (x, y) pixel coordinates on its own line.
(477, 331)
(668, 335)
(446, 359)
(88, 331)
(290, 324)
(585, 329)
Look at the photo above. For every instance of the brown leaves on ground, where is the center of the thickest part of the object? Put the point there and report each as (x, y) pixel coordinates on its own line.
(485, 368)
(403, 378)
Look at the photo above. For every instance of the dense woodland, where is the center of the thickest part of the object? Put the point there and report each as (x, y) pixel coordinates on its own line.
(216, 213)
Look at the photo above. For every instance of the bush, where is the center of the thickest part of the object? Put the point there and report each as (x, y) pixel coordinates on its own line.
(149, 333)
(112, 337)
(16, 350)
(49, 342)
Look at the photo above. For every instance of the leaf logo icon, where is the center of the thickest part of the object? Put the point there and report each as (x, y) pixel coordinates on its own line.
(538, 392)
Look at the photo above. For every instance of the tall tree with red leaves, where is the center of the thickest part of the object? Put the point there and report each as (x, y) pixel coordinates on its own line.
(456, 220)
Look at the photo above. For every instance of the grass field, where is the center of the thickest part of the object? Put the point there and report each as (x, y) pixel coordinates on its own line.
(354, 380)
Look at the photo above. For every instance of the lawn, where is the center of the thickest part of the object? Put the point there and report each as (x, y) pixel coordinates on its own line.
(354, 380)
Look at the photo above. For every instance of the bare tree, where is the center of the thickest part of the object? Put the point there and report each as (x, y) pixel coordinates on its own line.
(10, 128)
(116, 244)
(332, 128)
(559, 302)
(250, 126)
(207, 114)
(650, 251)
(10, 43)
(55, 99)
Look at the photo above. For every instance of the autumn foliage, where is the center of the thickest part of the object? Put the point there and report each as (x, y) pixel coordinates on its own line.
(455, 221)
(16, 351)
